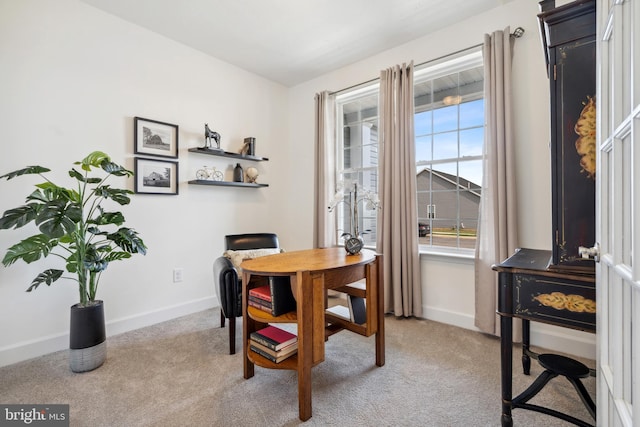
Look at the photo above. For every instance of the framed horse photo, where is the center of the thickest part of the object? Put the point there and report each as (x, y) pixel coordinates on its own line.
(154, 138)
(156, 176)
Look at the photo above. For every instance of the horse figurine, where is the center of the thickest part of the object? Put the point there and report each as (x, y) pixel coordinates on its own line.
(209, 135)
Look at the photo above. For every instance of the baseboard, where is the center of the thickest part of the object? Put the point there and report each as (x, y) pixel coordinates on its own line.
(29, 349)
(557, 339)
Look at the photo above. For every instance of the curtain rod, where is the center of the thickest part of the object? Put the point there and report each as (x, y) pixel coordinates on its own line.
(517, 33)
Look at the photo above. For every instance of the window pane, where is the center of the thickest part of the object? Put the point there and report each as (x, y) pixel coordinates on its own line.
(471, 174)
(423, 148)
(471, 142)
(422, 123)
(445, 145)
(445, 119)
(472, 114)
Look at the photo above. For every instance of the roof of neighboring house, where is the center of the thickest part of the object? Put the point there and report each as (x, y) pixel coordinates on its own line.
(460, 182)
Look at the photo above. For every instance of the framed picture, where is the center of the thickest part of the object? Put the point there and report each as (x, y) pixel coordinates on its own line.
(155, 138)
(156, 177)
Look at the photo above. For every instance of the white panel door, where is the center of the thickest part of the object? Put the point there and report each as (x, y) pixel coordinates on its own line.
(618, 213)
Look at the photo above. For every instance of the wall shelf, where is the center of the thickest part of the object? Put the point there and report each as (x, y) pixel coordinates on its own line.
(222, 153)
(236, 156)
(227, 183)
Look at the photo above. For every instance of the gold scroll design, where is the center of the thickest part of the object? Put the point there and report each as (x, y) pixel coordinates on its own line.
(571, 302)
(586, 145)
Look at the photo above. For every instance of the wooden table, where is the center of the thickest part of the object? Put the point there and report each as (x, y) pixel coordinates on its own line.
(313, 272)
(524, 279)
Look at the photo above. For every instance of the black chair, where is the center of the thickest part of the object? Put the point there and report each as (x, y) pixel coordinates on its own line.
(229, 283)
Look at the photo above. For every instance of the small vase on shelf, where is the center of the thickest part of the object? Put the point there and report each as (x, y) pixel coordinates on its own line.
(238, 173)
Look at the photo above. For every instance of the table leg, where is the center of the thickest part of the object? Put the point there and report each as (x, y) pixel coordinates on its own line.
(526, 339)
(506, 354)
(304, 285)
(378, 283)
(248, 366)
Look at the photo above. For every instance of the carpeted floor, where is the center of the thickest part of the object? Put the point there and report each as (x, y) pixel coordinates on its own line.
(179, 373)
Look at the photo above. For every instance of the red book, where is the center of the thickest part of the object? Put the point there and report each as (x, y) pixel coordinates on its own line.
(262, 292)
(274, 338)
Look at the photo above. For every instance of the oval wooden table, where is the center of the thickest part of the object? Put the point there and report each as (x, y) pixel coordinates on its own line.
(313, 272)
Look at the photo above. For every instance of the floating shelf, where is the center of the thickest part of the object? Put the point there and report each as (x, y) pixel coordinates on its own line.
(227, 183)
(222, 153)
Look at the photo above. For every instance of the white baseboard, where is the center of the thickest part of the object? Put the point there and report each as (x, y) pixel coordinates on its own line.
(558, 339)
(29, 349)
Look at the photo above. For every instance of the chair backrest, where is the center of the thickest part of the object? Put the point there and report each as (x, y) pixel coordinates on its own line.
(239, 242)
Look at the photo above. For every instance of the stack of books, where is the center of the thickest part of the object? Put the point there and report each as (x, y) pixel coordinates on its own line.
(273, 343)
(275, 298)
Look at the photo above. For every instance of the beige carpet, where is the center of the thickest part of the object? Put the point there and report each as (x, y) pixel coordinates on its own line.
(179, 373)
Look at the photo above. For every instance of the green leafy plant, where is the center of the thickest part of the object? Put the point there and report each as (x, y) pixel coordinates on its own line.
(74, 225)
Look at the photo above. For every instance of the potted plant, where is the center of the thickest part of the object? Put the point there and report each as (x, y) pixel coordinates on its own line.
(74, 226)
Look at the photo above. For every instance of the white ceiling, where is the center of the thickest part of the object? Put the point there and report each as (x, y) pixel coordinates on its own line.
(293, 41)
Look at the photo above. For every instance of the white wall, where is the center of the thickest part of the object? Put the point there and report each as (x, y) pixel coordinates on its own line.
(72, 79)
(448, 287)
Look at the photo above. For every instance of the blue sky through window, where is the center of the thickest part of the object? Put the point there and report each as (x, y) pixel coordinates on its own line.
(449, 133)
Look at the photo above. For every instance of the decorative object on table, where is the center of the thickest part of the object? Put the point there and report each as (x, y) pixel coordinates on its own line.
(252, 174)
(207, 173)
(353, 241)
(238, 173)
(156, 177)
(155, 138)
(249, 147)
(74, 225)
(210, 135)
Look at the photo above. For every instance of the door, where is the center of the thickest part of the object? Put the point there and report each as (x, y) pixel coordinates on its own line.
(618, 213)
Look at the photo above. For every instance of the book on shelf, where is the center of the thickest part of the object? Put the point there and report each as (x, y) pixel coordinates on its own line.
(275, 359)
(284, 351)
(275, 298)
(357, 309)
(355, 312)
(260, 305)
(341, 311)
(273, 337)
(282, 300)
(261, 292)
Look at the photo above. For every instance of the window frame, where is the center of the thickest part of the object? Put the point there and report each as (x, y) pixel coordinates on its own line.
(434, 69)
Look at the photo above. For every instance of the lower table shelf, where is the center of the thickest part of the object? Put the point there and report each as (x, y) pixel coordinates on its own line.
(290, 363)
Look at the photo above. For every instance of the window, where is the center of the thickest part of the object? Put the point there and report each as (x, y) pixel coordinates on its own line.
(357, 156)
(449, 138)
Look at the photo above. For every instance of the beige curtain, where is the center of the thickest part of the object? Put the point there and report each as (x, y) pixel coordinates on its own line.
(398, 219)
(497, 229)
(325, 181)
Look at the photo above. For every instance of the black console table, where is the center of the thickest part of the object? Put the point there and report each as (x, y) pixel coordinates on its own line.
(529, 290)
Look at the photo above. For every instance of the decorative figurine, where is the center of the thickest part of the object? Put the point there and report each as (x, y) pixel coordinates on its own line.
(209, 135)
(207, 173)
(249, 147)
(252, 175)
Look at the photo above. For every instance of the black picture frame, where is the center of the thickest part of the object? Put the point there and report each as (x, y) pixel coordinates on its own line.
(156, 176)
(154, 138)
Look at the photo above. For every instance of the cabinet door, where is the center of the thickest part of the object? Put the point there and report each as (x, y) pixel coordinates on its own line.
(569, 38)
(573, 150)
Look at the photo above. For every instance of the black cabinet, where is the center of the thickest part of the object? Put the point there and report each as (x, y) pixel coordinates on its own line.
(568, 34)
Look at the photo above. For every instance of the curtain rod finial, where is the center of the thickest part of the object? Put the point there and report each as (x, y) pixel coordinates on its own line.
(518, 32)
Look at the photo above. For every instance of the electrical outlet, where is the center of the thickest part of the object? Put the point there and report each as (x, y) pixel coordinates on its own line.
(177, 275)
